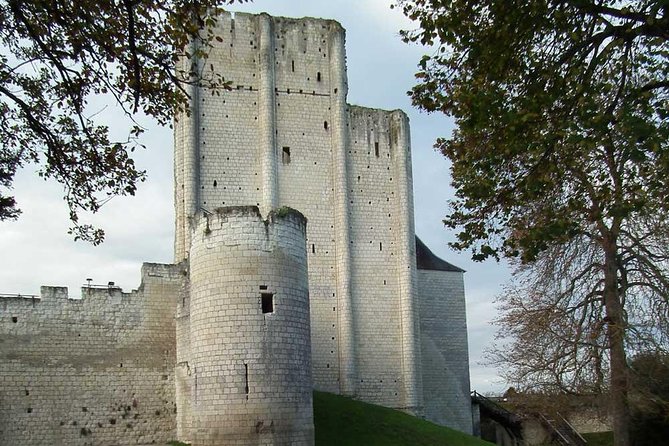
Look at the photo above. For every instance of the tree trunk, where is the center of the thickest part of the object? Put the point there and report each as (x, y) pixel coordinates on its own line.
(616, 337)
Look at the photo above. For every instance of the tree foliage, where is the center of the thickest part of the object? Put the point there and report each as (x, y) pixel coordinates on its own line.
(56, 55)
(650, 398)
(562, 137)
(553, 337)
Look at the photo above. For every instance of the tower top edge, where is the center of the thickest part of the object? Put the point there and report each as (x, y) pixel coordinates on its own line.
(281, 19)
(254, 212)
(353, 108)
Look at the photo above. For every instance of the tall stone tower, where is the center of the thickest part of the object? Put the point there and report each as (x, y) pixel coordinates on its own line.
(284, 136)
(267, 307)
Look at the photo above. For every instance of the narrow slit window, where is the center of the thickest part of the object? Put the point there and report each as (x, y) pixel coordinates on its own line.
(380, 246)
(267, 302)
(285, 156)
(325, 125)
(313, 248)
(292, 64)
(318, 76)
(376, 149)
(246, 380)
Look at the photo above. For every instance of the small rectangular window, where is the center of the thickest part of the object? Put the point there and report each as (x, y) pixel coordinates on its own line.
(285, 156)
(267, 302)
(376, 149)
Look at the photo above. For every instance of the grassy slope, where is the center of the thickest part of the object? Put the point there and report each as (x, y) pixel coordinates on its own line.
(342, 421)
(599, 438)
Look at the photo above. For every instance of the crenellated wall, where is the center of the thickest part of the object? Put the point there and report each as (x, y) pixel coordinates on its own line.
(90, 371)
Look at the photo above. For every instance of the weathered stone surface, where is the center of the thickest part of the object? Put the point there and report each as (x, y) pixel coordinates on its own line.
(250, 352)
(96, 370)
(352, 311)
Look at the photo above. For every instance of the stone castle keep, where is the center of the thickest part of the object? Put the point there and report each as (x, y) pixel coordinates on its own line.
(296, 267)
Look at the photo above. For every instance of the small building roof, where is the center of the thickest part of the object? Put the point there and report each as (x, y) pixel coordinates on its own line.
(426, 259)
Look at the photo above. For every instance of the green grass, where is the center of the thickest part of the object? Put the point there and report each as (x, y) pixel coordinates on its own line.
(341, 421)
(599, 438)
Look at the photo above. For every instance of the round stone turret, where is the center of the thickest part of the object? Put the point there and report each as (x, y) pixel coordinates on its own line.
(250, 349)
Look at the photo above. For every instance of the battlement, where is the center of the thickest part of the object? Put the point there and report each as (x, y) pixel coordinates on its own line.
(75, 368)
(93, 296)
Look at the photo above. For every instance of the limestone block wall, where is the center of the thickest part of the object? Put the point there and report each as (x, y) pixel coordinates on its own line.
(269, 142)
(183, 373)
(284, 136)
(383, 262)
(91, 371)
(445, 358)
(250, 350)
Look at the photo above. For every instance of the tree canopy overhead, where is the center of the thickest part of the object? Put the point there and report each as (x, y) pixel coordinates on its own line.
(56, 55)
(541, 91)
(562, 135)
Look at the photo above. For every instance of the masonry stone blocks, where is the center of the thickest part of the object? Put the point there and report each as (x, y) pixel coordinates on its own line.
(264, 303)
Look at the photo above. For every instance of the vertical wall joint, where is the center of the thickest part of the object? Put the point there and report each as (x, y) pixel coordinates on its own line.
(267, 115)
(338, 91)
(413, 387)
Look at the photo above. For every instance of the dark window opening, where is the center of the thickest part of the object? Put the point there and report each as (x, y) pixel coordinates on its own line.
(29, 410)
(325, 125)
(267, 302)
(313, 248)
(15, 319)
(380, 246)
(318, 76)
(376, 149)
(285, 156)
(246, 380)
(215, 183)
(263, 287)
(293, 65)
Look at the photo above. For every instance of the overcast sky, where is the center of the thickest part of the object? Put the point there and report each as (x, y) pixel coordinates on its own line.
(36, 249)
